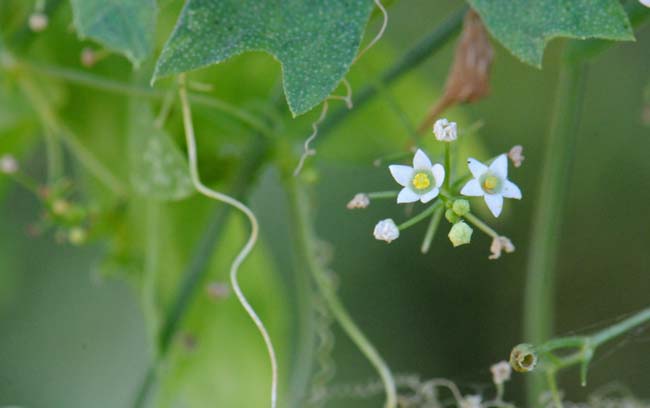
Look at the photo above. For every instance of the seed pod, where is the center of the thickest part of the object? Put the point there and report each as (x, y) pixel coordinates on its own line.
(523, 358)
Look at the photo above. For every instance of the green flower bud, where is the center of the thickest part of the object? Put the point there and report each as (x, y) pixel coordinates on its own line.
(460, 234)
(461, 207)
(451, 216)
(77, 236)
(523, 358)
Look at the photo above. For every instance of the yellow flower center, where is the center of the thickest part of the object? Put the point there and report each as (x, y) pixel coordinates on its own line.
(421, 181)
(490, 183)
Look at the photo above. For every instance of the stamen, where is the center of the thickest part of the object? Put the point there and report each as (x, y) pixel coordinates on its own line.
(421, 181)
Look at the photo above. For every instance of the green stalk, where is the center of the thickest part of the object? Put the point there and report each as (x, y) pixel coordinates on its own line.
(431, 229)
(108, 85)
(421, 216)
(546, 230)
(304, 239)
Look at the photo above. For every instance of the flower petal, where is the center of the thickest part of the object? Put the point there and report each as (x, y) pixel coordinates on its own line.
(500, 166)
(407, 196)
(425, 198)
(510, 190)
(401, 174)
(438, 173)
(494, 203)
(476, 167)
(472, 189)
(421, 161)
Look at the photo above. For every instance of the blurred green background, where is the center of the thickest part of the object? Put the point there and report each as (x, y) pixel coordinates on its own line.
(73, 332)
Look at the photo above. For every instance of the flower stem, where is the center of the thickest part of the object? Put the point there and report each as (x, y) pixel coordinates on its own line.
(383, 194)
(539, 292)
(52, 124)
(431, 229)
(304, 238)
(481, 225)
(421, 216)
(447, 166)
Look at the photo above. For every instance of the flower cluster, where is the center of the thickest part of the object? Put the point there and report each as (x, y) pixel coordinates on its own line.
(430, 183)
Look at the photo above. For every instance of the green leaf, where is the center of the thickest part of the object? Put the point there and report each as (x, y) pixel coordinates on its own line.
(315, 41)
(525, 26)
(158, 170)
(124, 26)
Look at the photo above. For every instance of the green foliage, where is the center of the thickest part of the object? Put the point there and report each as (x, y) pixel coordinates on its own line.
(315, 41)
(125, 26)
(525, 26)
(158, 169)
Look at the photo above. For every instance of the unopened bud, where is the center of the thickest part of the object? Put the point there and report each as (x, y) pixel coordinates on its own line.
(471, 401)
(500, 372)
(77, 236)
(386, 230)
(445, 131)
(461, 207)
(516, 155)
(451, 216)
(218, 290)
(360, 200)
(645, 2)
(60, 207)
(460, 234)
(8, 164)
(88, 57)
(38, 22)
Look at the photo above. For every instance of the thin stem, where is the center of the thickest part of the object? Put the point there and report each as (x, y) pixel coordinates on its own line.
(150, 276)
(478, 223)
(619, 328)
(382, 194)
(305, 239)
(248, 247)
(54, 156)
(108, 85)
(431, 229)
(552, 384)
(447, 165)
(421, 216)
(52, 123)
(545, 237)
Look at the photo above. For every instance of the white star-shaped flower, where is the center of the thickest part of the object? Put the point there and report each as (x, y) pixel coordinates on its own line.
(645, 2)
(491, 183)
(421, 182)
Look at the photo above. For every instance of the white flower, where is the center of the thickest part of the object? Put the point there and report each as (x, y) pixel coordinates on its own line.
(501, 372)
(491, 183)
(645, 2)
(421, 182)
(445, 130)
(386, 230)
(360, 200)
(8, 164)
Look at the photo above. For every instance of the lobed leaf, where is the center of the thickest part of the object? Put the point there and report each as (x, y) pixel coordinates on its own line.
(124, 26)
(524, 27)
(316, 41)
